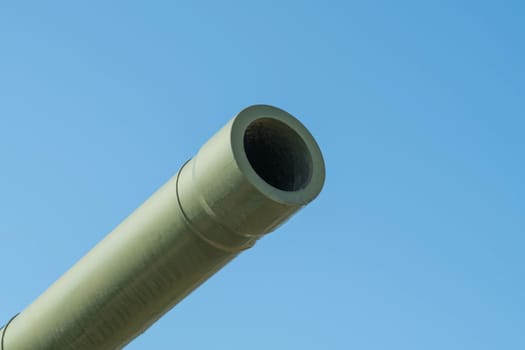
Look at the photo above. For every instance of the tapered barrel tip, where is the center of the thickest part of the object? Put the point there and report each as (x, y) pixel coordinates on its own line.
(278, 154)
(256, 172)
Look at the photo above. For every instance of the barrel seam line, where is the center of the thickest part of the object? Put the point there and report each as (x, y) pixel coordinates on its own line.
(4, 330)
(197, 232)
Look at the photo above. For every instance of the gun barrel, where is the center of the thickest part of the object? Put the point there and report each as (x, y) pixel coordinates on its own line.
(250, 177)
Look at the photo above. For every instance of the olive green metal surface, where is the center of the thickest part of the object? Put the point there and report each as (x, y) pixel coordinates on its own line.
(250, 177)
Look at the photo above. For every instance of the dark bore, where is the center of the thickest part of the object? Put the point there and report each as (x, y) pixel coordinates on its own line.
(278, 154)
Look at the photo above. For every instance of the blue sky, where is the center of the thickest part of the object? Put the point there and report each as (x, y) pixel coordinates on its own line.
(417, 240)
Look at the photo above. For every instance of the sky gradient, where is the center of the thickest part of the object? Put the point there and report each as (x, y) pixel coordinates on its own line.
(417, 240)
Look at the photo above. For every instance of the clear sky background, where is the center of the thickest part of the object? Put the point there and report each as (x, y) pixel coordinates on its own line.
(417, 241)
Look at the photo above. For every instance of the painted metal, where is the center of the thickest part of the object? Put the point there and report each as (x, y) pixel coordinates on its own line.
(250, 177)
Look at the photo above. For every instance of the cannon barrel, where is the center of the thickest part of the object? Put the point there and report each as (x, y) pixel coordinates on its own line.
(250, 177)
